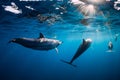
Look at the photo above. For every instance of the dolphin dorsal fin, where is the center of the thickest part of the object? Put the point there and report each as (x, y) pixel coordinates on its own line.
(41, 36)
(83, 41)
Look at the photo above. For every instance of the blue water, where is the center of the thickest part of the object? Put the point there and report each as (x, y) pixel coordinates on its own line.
(20, 63)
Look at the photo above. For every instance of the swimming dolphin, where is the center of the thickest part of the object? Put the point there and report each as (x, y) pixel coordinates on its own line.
(116, 37)
(40, 43)
(110, 46)
(82, 48)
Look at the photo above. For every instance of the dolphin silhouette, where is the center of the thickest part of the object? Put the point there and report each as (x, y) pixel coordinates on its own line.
(40, 43)
(110, 45)
(82, 48)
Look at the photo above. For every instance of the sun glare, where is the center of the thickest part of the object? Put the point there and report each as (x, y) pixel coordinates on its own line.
(77, 2)
(96, 1)
(88, 10)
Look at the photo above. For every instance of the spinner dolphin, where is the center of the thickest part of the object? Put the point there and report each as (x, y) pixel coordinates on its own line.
(40, 43)
(82, 48)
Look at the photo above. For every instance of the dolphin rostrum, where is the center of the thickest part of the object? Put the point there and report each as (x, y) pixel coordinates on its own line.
(40, 43)
(82, 48)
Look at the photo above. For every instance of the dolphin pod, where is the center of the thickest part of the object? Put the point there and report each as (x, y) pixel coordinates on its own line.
(43, 43)
(40, 43)
(82, 48)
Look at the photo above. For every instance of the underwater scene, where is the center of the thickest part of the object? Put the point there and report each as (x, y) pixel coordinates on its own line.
(59, 39)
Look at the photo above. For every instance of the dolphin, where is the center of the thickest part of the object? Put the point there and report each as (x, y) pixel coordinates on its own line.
(82, 48)
(40, 43)
(116, 37)
(110, 47)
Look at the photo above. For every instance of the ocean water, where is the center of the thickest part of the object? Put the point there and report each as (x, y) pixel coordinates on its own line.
(96, 63)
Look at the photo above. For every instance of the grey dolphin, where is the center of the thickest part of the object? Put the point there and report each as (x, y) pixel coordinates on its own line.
(110, 46)
(116, 37)
(40, 43)
(82, 48)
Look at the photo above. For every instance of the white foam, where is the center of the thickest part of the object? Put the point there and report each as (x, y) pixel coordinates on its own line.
(57, 8)
(77, 2)
(29, 7)
(13, 8)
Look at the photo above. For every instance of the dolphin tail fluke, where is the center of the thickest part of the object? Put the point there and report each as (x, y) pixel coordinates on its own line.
(69, 63)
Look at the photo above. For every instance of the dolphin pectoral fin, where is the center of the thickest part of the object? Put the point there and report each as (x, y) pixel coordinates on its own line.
(56, 50)
(41, 36)
(69, 63)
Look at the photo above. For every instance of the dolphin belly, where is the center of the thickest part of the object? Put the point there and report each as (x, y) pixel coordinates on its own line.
(43, 47)
(38, 45)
